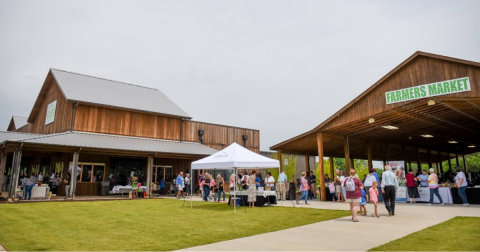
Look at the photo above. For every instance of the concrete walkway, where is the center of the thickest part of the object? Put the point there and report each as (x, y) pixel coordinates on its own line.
(344, 235)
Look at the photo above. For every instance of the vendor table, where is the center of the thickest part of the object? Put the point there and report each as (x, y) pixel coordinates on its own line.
(424, 192)
(262, 197)
(125, 189)
(473, 195)
(40, 192)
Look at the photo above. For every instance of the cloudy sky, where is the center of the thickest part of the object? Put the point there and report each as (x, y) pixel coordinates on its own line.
(278, 66)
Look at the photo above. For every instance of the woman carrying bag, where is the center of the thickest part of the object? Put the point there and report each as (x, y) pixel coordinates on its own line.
(304, 188)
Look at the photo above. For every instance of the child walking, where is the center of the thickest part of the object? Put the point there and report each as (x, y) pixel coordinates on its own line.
(374, 197)
(362, 204)
(331, 187)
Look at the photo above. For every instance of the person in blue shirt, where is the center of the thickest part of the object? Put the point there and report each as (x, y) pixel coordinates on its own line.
(423, 178)
(162, 186)
(258, 179)
(379, 187)
(362, 204)
(179, 183)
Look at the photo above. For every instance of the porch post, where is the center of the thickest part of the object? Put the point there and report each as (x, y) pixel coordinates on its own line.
(73, 183)
(149, 176)
(307, 163)
(369, 155)
(429, 159)
(279, 157)
(405, 161)
(456, 158)
(419, 163)
(17, 158)
(323, 196)
(332, 169)
(440, 161)
(3, 162)
(449, 162)
(347, 155)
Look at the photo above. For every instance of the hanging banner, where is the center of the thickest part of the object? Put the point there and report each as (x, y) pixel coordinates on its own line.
(428, 90)
(51, 108)
(398, 167)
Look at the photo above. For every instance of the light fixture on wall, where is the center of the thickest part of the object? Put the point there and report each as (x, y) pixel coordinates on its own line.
(371, 120)
(245, 138)
(431, 102)
(200, 135)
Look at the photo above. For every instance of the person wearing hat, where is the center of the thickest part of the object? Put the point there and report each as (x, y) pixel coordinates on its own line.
(368, 183)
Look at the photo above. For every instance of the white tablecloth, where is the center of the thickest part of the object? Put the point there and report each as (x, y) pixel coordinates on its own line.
(116, 189)
(424, 192)
(264, 193)
(39, 192)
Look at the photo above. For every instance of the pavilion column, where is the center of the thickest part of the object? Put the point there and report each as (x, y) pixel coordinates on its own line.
(405, 161)
(384, 162)
(464, 163)
(73, 183)
(388, 152)
(307, 163)
(332, 170)
(419, 163)
(429, 159)
(449, 162)
(440, 161)
(347, 155)
(410, 165)
(3, 162)
(279, 157)
(323, 196)
(17, 159)
(456, 159)
(352, 163)
(369, 155)
(149, 176)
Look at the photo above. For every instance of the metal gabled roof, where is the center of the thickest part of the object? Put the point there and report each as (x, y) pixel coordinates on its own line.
(115, 142)
(93, 90)
(19, 121)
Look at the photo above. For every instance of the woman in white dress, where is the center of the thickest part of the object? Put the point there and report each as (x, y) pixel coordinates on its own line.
(252, 190)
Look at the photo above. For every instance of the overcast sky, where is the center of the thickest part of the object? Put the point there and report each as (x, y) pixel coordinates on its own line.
(281, 67)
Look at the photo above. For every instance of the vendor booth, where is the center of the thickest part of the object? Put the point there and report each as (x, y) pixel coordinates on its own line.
(232, 158)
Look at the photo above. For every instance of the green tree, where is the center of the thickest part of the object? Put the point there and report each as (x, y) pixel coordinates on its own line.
(289, 169)
(473, 162)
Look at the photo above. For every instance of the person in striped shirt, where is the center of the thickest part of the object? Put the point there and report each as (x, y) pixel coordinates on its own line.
(28, 185)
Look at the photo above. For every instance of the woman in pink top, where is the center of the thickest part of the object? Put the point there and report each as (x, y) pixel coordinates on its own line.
(353, 187)
(303, 189)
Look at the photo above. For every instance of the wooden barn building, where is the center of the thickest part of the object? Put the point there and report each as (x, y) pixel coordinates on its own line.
(109, 128)
(426, 110)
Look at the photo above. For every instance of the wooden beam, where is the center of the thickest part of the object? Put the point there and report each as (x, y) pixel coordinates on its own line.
(464, 163)
(369, 155)
(352, 163)
(307, 163)
(405, 161)
(332, 169)
(17, 158)
(440, 161)
(347, 155)
(419, 163)
(449, 162)
(3, 162)
(149, 176)
(323, 192)
(279, 157)
(73, 181)
(429, 159)
(456, 159)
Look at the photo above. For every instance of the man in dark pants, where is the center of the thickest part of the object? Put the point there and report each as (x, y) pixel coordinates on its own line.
(389, 188)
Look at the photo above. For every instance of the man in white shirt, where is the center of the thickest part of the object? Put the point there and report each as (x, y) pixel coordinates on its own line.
(269, 180)
(282, 180)
(40, 177)
(368, 183)
(389, 188)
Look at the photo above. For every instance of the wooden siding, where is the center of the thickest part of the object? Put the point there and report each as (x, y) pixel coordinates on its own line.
(422, 70)
(25, 129)
(63, 114)
(220, 136)
(128, 123)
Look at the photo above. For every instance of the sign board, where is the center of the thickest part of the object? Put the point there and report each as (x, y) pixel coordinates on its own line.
(398, 167)
(428, 90)
(51, 108)
(285, 161)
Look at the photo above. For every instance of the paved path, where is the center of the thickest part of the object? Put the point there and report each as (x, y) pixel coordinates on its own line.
(331, 235)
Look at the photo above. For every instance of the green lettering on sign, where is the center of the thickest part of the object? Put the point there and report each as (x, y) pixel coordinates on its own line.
(428, 90)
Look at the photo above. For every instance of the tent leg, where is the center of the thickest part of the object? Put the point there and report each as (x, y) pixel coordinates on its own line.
(235, 193)
(191, 189)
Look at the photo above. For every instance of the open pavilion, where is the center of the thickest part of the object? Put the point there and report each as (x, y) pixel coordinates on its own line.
(426, 110)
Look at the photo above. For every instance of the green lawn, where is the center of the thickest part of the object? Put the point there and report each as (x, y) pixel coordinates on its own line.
(457, 234)
(158, 224)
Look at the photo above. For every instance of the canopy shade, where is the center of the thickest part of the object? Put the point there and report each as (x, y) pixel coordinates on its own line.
(235, 156)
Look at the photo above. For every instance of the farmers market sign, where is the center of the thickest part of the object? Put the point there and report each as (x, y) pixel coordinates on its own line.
(428, 90)
(51, 112)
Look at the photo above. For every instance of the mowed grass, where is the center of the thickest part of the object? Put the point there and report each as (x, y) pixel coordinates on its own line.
(457, 234)
(159, 224)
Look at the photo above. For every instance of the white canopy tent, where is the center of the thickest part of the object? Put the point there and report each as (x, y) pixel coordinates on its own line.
(232, 158)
